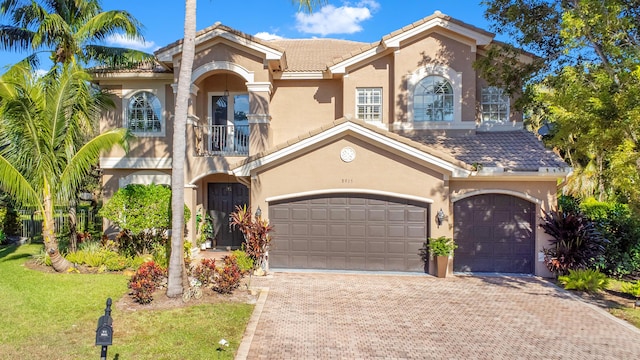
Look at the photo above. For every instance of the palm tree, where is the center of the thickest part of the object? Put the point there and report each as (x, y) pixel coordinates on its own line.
(176, 260)
(175, 283)
(70, 30)
(47, 139)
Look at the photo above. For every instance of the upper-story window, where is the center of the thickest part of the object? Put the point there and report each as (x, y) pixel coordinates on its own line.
(495, 105)
(369, 104)
(433, 100)
(144, 114)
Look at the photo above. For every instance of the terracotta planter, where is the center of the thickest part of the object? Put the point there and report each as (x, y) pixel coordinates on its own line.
(442, 263)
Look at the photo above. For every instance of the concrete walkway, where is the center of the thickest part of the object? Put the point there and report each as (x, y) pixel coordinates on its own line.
(374, 316)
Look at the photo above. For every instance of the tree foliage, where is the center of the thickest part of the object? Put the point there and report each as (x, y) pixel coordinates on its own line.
(585, 83)
(48, 139)
(70, 30)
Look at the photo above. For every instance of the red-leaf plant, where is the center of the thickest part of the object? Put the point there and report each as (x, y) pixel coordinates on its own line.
(256, 233)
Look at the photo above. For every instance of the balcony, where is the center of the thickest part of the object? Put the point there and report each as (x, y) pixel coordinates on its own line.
(227, 140)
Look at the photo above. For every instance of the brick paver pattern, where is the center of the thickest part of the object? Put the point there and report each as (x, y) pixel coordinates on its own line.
(371, 316)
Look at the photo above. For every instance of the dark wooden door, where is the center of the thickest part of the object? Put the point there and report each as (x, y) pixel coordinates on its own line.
(223, 199)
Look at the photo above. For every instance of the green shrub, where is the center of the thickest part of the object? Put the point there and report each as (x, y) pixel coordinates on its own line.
(160, 254)
(3, 237)
(618, 224)
(10, 222)
(42, 258)
(632, 289)
(588, 280)
(143, 212)
(576, 243)
(245, 263)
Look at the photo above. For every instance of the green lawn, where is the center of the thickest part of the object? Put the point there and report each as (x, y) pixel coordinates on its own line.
(626, 311)
(54, 316)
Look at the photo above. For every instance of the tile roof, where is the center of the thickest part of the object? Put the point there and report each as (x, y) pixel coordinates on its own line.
(444, 155)
(315, 54)
(511, 150)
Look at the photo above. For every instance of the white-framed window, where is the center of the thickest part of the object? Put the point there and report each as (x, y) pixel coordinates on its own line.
(494, 104)
(369, 104)
(144, 114)
(433, 100)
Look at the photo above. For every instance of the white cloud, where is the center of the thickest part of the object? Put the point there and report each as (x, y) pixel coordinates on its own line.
(124, 41)
(41, 72)
(345, 19)
(264, 35)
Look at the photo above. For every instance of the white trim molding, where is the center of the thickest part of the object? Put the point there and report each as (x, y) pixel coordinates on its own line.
(349, 191)
(135, 163)
(263, 86)
(145, 177)
(247, 75)
(465, 194)
(456, 171)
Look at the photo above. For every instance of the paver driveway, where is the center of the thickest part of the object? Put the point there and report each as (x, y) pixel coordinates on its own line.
(374, 316)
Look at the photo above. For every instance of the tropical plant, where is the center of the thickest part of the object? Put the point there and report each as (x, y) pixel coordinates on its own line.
(205, 227)
(70, 30)
(245, 263)
(145, 281)
(575, 243)
(47, 140)
(588, 280)
(227, 277)
(256, 233)
(440, 246)
(205, 272)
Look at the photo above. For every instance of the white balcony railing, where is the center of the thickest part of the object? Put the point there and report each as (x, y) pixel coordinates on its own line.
(228, 140)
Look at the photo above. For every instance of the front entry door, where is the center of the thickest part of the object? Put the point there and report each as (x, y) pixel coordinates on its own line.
(223, 199)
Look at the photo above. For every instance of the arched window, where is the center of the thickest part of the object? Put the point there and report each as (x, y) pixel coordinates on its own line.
(144, 114)
(433, 100)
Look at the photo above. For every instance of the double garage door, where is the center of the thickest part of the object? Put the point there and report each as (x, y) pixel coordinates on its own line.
(494, 233)
(348, 232)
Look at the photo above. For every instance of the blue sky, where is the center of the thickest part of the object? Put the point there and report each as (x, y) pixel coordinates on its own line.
(358, 20)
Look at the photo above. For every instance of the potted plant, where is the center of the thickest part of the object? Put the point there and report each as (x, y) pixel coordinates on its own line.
(441, 248)
(205, 230)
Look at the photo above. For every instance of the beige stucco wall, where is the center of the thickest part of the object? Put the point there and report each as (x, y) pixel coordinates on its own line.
(542, 193)
(377, 73)
(374, 169)
(301, 106)
(224, 50)
(141, 146)
(435, 49)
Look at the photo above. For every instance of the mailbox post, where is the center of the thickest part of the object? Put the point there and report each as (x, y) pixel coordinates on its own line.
(104, 332)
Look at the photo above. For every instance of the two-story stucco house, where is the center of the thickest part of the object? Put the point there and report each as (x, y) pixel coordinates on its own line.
(355, 152)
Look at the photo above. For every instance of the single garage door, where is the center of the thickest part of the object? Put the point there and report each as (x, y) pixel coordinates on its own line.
(348, 232)
(495, 233)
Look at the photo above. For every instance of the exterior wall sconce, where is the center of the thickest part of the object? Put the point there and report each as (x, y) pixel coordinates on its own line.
(258, 212)
(439, 217)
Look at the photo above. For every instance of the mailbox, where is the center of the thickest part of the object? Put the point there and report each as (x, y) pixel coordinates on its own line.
(104, 332)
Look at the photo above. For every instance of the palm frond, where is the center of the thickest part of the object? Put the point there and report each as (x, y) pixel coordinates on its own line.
(87, 157)
(12, 182)
(108, 23)
(118, 58)
(15, 38)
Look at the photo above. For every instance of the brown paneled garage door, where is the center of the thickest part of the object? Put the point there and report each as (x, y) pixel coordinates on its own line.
(348, 231)
(495, 233)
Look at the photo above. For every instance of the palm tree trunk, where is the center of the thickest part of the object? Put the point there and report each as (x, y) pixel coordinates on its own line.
(175, 283)
(58, 262)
